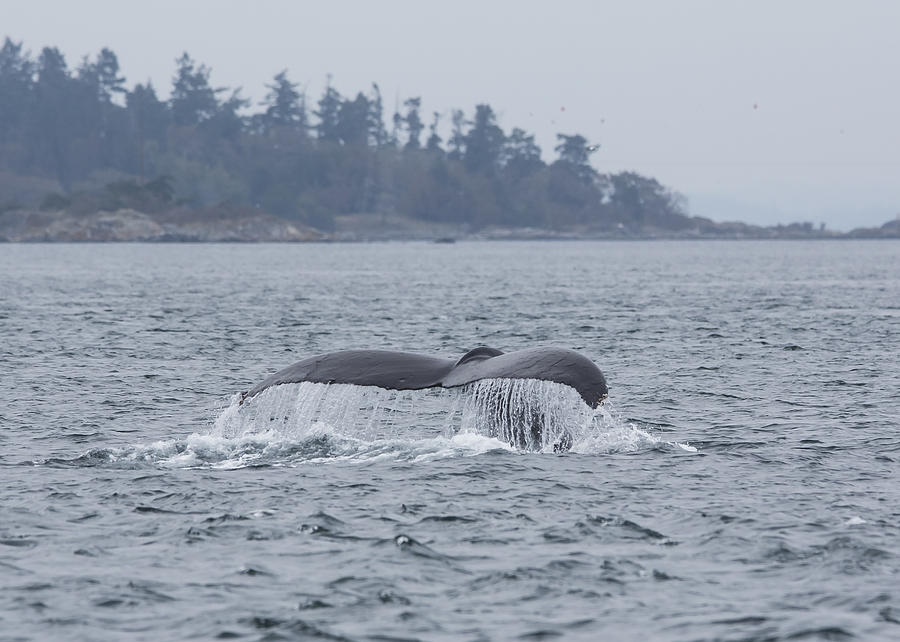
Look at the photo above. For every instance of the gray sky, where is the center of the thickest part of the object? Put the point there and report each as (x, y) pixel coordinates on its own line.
(761, 110)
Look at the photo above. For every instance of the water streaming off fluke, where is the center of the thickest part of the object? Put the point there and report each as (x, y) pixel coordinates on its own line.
(307, 422)
(528, 414)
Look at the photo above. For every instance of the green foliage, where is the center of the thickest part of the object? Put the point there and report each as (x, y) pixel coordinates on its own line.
(353, 121)
(226, 123)
(9, 206)
(458, 136)
(103, 76)
(193, 99)
(484, 142)
(197, 183)
(62, 131)
(574, 155)
(161, 188)
(54, 201)
(148, 116)
(434, 140)
(413, 123)
(522, 157)
(643, 202)
(155, 196)
(377, 133)
(285, 106)
(109, 81)
(16, 85)
(328, 114)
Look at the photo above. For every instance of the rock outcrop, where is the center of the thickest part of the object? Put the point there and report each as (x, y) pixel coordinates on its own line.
(216, 224)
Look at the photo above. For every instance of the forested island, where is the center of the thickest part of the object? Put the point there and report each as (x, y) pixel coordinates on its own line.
(83, 157)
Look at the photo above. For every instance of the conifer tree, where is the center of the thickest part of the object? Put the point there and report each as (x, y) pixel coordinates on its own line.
(377, 132)
(522, 155)
(484, 142)
(284, 104)
(413, 122)
(574, 154)
(193, 98)
(434, 140)
(457, 136)
(328, 114)
(16, 98)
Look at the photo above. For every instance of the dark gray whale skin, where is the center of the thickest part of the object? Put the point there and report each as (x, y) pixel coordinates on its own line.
(407, 371)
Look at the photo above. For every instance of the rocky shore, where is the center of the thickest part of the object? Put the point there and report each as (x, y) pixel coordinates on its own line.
(222, 224)
(228, 223)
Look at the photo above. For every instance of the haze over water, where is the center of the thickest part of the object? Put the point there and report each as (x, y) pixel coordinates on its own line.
(741, 483)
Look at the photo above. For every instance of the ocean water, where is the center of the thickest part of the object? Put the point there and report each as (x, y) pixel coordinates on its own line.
(741, 482)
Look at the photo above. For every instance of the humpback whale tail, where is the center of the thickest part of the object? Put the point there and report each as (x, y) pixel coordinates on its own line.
(511, 411)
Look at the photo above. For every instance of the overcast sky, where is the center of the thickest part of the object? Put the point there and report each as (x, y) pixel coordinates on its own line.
(761, 110)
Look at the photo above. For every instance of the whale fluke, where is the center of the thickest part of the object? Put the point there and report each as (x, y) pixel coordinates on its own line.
(407, 371)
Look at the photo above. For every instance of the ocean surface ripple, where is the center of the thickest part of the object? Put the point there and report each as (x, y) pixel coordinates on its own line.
(740, 484)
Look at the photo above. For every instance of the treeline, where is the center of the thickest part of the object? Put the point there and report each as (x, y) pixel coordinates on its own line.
(307, 163)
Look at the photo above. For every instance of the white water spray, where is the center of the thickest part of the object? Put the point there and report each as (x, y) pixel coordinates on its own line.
(315, 423)
(528, 414)
(299, 410)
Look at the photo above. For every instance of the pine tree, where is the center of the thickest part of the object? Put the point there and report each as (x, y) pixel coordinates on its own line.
(226, 123)
(328, 114)
(193, 99)
(574, 154)
(413, 122)
(284, 104)
(434, 140)
(16, 90)
(52, 120)
(377, 132)
(522, 157)
(457, 136)
(109, 83)
(353, 120)
(149, 118)
(484, 142)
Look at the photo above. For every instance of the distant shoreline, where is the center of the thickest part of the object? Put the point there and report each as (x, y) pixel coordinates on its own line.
(231, 223)
(838, 239)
